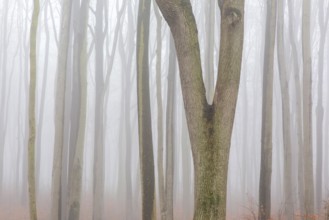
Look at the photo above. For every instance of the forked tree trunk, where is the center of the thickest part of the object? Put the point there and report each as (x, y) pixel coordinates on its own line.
(210, 126)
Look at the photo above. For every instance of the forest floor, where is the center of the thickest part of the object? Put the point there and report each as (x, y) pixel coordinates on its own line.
(11, 208)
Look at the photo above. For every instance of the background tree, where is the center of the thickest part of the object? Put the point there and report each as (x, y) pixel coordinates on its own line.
(75, 182)
(264, 212)
(144, 112)
(56, 211)
(307, 110)
(323, 19)
(32, 124)
(286, 120)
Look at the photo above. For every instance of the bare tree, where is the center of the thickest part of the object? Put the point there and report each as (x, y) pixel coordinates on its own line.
(264, 212)
(307, 109)
(32, 124)
(293, 27)
(160, 156)
(56, 211)
(75, 181)
(286, 120)
(99, 173)
(144, 112)
(210, 125)
(323, 19)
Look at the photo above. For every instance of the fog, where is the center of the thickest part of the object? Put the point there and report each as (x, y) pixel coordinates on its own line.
(113, 131)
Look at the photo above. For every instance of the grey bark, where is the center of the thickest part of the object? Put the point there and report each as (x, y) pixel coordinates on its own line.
(264, 211)
(144, 112)
(210, 125)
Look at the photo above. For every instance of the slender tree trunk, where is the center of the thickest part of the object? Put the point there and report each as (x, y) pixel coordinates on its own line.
(125, 60)
(4, 82)
(32, 124)
(99, 173)
(264, 212)
(323, 23)
(56, 211)
(170, 126)
(298, 105)
(144, 112)
(286, 121)
(161, 178)
(43, 94)
(307, 110)
(210, 126)
(75, 185)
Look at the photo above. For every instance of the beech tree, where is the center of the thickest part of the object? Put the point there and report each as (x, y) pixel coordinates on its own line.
(210, 125)
(307, 110)
(144, 112)
(32, 124)
(264, 212)
(56, 212)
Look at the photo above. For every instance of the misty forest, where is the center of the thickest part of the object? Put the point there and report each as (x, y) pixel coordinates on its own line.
(164, 109)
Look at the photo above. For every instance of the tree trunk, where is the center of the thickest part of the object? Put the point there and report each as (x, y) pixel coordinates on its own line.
(298, 105)
(32, 124)
(307, 110)
(161, 178)
(210, 126)
(99, 173)
(264, 212)
(56, 211)
(75, 181)
(144, 112)
(3, 113)
(323, 23)
(42, 102)
(286, 121)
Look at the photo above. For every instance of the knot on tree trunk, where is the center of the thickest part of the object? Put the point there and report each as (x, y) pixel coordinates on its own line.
(232, 16)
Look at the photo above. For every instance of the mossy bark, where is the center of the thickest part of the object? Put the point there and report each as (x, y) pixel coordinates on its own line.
(210, 125)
